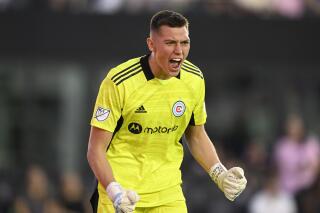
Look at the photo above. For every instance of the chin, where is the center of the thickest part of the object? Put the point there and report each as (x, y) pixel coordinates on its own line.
(174, 73)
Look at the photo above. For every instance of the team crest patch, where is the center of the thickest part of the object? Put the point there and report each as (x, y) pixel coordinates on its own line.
(102, 114)
(178, 108)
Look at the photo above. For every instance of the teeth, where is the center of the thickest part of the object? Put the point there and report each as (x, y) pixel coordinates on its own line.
(176, 59)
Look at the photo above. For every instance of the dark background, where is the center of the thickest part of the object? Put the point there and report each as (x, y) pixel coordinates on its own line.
(258, 69)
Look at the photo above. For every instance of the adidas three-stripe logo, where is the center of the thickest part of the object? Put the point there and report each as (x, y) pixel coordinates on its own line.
(141, 109)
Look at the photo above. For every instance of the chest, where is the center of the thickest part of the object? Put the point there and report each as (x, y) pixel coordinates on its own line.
(155, 102)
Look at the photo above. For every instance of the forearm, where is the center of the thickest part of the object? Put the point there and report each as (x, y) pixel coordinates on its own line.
(100, 166)
(205, 155)
(232, 182)
(123, 200)
(96, 155)
(202, 149)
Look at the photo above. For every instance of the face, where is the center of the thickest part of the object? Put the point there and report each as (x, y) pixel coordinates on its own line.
(170, 47)
(295, 128)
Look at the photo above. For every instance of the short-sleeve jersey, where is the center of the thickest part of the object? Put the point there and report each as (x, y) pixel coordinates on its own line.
(148, 118)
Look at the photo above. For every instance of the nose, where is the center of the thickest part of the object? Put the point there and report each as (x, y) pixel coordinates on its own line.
(178, 49)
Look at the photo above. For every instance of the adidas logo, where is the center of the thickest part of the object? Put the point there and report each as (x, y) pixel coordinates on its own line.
(141, 109)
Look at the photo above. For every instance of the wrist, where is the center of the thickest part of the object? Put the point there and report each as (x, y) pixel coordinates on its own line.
(113, 190)
(216, 170)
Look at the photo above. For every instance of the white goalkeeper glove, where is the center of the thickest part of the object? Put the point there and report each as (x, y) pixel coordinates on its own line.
(123, 200)
(231, 182)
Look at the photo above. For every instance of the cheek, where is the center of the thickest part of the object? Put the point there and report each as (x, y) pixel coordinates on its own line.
(160, 57)
(186, 51)
(166, 50)
(164, 53)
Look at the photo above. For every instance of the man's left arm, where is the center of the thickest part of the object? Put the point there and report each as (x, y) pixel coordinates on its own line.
(232, 182)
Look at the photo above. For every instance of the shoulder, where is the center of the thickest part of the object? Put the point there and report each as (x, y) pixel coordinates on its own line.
(313, 143)
(192, 76)
(125, 70)
(191, 70)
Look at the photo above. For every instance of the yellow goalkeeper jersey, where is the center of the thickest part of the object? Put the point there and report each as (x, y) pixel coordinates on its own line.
(148, 118)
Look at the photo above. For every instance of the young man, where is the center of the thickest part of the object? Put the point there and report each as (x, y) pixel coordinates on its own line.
(143, 108)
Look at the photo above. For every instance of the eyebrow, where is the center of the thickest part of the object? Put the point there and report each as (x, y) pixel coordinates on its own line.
(175, 41)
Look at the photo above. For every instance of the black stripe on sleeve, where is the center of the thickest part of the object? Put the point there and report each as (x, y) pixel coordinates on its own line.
(126, 73)
(95, 198)
(128, 76)
(192, 122)
(181, 141)
(197, 74)
(119, 124)
(190, 68)
(124, 70)
(192, 65)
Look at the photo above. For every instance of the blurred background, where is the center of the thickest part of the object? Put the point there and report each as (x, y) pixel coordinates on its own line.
(261, 61)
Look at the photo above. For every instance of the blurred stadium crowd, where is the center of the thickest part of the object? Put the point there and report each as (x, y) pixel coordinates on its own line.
(263, 115)
(261, 8)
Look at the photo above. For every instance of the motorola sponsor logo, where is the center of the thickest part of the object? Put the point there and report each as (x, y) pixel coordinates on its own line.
(137, 128)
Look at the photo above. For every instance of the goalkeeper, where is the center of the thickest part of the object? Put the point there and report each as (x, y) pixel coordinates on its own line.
(144, 107)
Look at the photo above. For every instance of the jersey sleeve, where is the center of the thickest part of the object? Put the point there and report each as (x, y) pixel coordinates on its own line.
(107, 110)
(199, 115)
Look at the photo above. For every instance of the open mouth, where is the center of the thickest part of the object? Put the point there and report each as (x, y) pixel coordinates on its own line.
(175, 62)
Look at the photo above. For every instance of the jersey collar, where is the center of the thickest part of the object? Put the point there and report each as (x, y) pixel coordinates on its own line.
(146, 68)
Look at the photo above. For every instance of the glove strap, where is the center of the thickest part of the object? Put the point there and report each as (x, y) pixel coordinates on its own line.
(114, 189)
(216, 170)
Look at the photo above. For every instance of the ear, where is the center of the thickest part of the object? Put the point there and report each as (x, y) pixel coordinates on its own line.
(150, 44)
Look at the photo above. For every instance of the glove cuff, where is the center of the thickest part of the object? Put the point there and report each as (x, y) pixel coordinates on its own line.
(114, 189)
(215, 171)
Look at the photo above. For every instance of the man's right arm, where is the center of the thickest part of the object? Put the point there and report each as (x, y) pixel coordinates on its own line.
(99, 140)
(123, 200)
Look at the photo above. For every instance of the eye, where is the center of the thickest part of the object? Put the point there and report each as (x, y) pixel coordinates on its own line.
(170, 43)
(185, 43)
